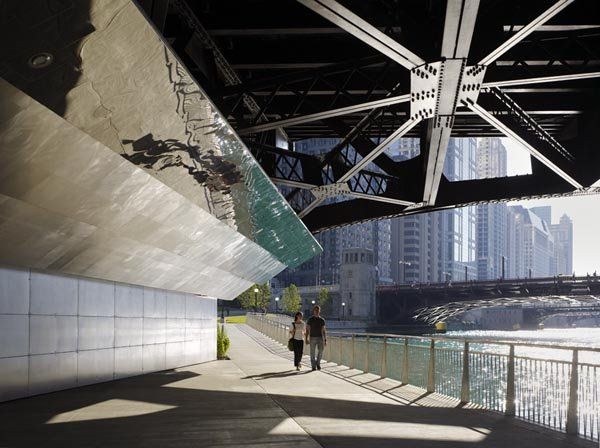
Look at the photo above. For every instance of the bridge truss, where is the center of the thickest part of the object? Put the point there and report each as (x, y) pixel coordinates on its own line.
(371, 73)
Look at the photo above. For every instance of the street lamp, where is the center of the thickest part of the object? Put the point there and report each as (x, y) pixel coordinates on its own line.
(343, 309)
(404, 264)
(256, 298)
(277, 304)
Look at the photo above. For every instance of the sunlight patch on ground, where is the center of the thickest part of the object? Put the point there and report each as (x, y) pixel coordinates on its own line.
(114, 408)
(332, 427)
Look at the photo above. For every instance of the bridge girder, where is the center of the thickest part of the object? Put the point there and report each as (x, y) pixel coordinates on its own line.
(538, 68)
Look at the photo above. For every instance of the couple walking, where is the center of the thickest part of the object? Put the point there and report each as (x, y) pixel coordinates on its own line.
(314, 331)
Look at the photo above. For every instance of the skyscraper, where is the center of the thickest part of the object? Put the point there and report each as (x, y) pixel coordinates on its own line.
(534, 239)
(544, 212)
(439, 246)
(563, 245)
(491, 218)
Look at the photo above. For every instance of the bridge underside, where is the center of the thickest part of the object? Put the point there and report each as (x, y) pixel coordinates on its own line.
(371, 73)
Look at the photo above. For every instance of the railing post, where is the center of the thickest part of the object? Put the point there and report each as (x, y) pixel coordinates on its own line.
(572, 410)
(405, 362)
(366, 369)
(384, 358)
(431, 376)
(510, 383)
(353, 354)
(465, 390)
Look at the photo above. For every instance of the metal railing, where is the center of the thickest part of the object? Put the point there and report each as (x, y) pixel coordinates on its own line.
(549, 385)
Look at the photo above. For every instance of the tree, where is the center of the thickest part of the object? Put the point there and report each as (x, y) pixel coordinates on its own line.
(291, 300)
(264, 296)
(245, 299)
(324, 300)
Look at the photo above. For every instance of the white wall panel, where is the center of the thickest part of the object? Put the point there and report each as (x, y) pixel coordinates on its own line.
(14, 335)
(175, 330)
(154, 357)
(155, 331)
(52, 372)
(128, 361)
(94, 366)
(129, 301)
(96, 298)
(175, 355)
(155, 303)
(193, 306)
(175, 304)
(14, 291)
(14, 373)
(51, 334)
(53, 294)
(96, 332)
(128, 331)
(54, 333)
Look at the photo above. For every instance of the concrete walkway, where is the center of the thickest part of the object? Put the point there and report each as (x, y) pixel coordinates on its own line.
(257, 400)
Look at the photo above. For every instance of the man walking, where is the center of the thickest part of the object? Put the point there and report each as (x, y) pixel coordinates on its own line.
(315, 332)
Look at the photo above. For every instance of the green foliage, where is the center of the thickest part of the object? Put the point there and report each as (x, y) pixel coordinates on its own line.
(264, 296)
(291, 300)
(245, 298)
(223, 342)
(324, 300)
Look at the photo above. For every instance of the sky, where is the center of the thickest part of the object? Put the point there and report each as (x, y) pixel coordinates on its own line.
(583, 210)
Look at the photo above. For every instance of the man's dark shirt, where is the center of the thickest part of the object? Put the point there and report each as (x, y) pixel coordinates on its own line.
(316, 325)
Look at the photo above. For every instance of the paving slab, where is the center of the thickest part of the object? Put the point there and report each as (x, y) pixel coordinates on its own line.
(257, 399)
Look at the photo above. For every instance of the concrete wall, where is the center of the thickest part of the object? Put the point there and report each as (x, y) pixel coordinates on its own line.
(58, 332)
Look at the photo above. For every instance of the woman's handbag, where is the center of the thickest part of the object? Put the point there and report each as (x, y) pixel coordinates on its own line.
(291, 340)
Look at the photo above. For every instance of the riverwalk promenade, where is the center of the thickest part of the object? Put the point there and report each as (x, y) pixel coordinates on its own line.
(257, 399)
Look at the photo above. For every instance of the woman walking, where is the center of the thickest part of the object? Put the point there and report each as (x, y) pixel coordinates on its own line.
(298, 333)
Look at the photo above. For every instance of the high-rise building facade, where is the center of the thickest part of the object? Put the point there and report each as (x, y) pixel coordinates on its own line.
(491, 218)
(563, 245)
(439, 246)
(535, 241)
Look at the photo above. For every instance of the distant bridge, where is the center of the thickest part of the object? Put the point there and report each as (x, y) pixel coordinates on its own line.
(400, 303)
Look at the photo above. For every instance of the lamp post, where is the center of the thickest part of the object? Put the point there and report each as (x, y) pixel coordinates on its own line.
(343, 309)
(256, 298)
(277, 304)
(404, 263)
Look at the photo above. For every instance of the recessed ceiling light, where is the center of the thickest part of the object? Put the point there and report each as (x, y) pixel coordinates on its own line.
(41, 60)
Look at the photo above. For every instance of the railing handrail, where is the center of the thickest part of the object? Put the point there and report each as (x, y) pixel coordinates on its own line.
(454, 339)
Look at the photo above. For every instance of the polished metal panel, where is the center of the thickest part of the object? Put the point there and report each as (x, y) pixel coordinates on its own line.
(96, 298)
(155, 303)
(52, 294)
(84, 210)
(96, 332)
(14, 335)
(193, 329)
(175, 355)
(155, 330)
(51, 334)
(175, 304)
(118, 82)
(128, 361)
(175, 330)
(94, 366)
(14, 291)
(14, 372)
(154, 357)
(129, 301)
(199, 307)
(128, 331)
(52, 372)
